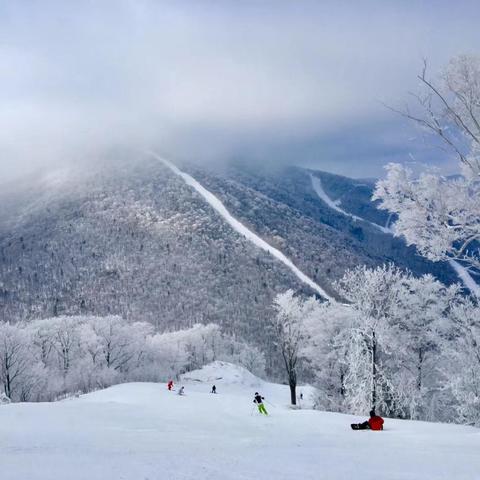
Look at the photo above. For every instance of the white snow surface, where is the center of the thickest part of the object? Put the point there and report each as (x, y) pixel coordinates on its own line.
(223, 373)
(317, 186)
(141, 431)
(219, 207)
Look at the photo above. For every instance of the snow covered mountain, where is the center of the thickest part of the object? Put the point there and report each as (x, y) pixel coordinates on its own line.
(143, 431)
(134, 237)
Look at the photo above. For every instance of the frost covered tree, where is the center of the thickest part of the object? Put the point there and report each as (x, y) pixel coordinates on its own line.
(441, 215)
(82, 353)
(118, 343)
(289, 333)
(463, 376)
(171, 353)
(369, 340)
(326, 353)
(392, 346)
(182, 350)
(14, 358)
(422, 320)
(65, 339)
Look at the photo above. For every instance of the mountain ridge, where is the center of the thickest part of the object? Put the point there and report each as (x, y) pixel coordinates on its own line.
(133, 239)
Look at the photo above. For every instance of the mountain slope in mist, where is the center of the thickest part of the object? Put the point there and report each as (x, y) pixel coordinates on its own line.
(131, 238)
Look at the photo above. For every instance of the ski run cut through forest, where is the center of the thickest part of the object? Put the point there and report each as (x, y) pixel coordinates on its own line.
(218, 206)
(143, 431)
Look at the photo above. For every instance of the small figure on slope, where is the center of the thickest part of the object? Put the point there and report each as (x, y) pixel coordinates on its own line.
(214, 389)
(375, 422)
(181, 391)
(170, 385)
(259, 401)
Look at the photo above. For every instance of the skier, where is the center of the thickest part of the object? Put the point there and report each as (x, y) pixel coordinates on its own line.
(375, 422)
(170, 385)
(214, 389)
(181, 391)
(259, 401)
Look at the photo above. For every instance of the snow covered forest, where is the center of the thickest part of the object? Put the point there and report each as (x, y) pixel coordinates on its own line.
(48, 359)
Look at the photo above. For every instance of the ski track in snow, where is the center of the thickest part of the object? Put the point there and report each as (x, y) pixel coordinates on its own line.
(317, 186)
(460, 270)
(466, 278)
(239, 227)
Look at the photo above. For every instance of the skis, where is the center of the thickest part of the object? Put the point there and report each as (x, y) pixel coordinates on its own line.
(359, 426)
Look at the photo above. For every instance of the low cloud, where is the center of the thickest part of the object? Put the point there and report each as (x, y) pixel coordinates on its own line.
(301, 81)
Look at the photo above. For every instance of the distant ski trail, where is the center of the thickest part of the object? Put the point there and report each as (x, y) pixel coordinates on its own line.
(466, 278)
(460, 270)
(317, 186)
(218, 206)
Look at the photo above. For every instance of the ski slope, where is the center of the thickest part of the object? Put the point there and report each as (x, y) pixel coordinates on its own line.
(466, 278)
(460, 270)
(220, 208)
(141, 431)
(317, 186)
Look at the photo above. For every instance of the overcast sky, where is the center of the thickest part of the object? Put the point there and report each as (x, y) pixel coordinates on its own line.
(297, 82)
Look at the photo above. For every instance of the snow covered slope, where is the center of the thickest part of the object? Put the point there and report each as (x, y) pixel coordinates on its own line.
(130, 237)
(141, 431)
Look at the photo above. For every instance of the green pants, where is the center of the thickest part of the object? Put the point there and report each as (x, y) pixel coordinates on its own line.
(261, 409)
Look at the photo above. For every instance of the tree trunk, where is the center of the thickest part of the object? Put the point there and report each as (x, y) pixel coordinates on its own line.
(374, 371)
(293, 390)
(8, 386)
(290, 363)
(419, 369)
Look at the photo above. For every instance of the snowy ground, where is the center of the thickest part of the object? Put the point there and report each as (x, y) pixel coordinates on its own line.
(141, 431)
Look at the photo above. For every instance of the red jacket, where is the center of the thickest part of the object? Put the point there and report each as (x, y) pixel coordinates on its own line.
(376, 423)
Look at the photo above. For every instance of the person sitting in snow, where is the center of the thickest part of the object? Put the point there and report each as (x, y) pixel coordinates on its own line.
(170, 385)
(214, 389)
(259, 401)
(181, 391)
(375, 422)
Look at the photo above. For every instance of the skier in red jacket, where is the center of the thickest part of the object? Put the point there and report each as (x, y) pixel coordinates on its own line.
(170, 385)
(375, 422)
